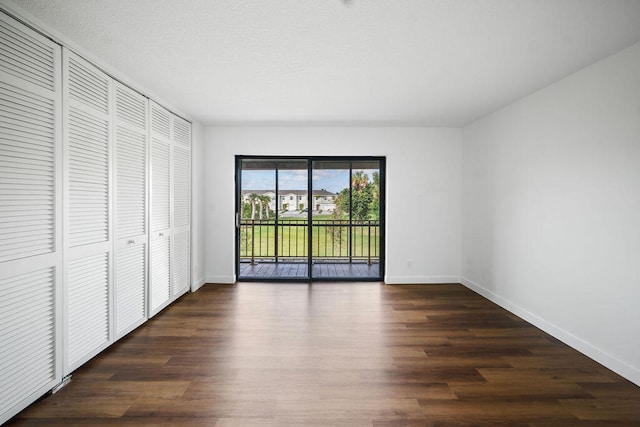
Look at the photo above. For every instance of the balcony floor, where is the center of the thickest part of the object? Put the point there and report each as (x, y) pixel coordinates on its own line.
(299, 270)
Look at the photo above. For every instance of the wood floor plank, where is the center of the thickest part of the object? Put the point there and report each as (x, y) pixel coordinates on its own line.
(338, 354)
(604, 409)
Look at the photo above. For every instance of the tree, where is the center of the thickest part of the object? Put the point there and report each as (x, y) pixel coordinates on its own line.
(342, 205)
(362, 200)
(361, 196)
(264, 202)
(253, 198)
(374, 206)
(359, 181)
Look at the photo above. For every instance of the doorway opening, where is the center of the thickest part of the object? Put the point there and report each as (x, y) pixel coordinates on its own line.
(310, 218)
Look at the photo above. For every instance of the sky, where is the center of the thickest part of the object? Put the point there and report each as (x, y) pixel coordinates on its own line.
(333, 180)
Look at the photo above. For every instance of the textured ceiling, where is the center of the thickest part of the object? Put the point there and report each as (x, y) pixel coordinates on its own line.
(384, 62)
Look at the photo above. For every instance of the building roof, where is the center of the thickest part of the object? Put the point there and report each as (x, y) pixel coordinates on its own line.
(322, 192)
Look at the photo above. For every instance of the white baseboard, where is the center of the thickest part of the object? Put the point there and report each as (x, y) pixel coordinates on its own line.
(198, 284)
(221, 279)
(419, 280)
(605, 359)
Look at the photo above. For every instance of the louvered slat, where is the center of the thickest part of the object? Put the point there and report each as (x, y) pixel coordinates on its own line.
(181, 131)
(88, 172)
(181, 186)
(25, 56)
(160, 185)
(88, 301)
(131, 180)
(130, 287)
(181, 264)
(160, 121)
(131, 107)
(27, 334)
(87, 85)
(160, 272)
(27, 173)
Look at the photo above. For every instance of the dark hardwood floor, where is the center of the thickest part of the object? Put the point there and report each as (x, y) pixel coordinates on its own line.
(339, 354)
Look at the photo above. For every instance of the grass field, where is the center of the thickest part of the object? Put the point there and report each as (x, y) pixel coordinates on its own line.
(329, 239)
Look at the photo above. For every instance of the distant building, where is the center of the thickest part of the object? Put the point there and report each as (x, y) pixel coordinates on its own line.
(296, 200)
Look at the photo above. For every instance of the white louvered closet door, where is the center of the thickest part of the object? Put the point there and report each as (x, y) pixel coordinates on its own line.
(160, 217)
(181, 209)
(130, 207)
(30, 228)
(87, 162)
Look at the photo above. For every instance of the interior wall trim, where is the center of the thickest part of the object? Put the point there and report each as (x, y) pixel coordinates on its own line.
(419, 280)
(197, 284)
(226, 280)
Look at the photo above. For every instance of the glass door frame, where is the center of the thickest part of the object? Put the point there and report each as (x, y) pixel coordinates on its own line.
(310, 162)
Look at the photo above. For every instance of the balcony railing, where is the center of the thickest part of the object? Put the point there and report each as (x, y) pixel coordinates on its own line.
(331, 240)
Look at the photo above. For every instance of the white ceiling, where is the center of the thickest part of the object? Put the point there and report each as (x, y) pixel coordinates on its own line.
(384, 62)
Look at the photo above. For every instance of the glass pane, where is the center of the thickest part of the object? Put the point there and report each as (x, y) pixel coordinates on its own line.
(293, 205)
(365, 202)
(257, 214)
(330, 234)
(346, 229)
(273, 233)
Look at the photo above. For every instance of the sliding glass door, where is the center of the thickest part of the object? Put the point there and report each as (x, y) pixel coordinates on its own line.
(346, 219)
(316, 218)
(272, 224)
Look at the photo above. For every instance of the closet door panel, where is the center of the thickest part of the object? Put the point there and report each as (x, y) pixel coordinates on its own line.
(88, 204)
(27, 354)
(160, 185)
(181, 263)
(160, 169)
(88, 178)
(27, 55)
(160, 290)
(130, 183)
(88, 306)
(130, 290)
(27, 174)
(131, 210)
(30, 212)
(181, 187)
(160, 216)
(181, 209)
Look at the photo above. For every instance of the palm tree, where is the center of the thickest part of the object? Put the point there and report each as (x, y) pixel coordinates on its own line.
(265, 202)
(359, 180)
(253, 198)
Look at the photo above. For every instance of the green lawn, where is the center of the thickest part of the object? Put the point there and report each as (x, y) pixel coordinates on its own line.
(327, 240)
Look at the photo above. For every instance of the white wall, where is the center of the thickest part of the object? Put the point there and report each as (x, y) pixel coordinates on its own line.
(197, 207)
(423, 185)
(551, 210)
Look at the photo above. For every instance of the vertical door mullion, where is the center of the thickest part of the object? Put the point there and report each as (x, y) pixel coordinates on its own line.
(238, 218)
(277, 234)
(309, 218)
(349, 229)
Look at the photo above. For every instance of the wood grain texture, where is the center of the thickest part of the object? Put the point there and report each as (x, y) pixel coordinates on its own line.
(338, 354)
